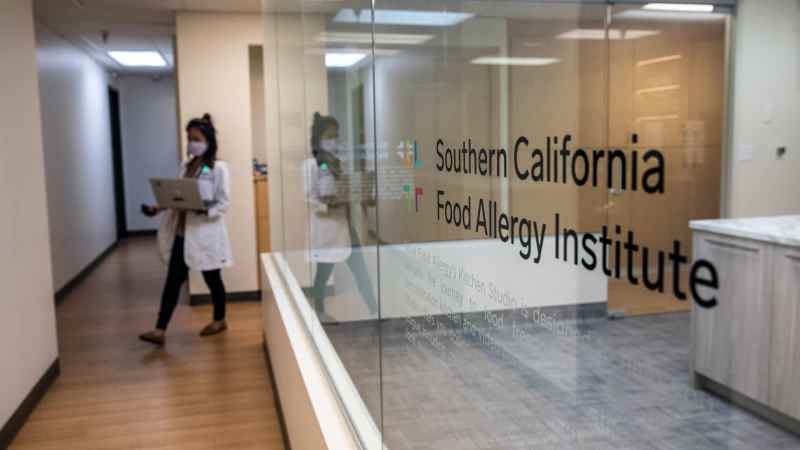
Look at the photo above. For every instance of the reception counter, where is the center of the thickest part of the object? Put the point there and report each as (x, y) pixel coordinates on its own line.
(747, 348)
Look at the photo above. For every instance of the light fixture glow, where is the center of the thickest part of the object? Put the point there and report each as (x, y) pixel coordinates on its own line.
(138, 58)
(339, 37)
(679, 7)
(613, 34)
(657, 118)
(402, 17)
(673, 16)
(658, 60)
(665, 88)
(514, 61)
(343, 59)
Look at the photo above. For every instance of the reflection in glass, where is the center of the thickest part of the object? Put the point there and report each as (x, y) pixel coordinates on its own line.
(333, 238)
(485, 342)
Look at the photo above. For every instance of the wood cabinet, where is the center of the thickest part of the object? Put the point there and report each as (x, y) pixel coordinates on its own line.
(784, 365)
(750, 342)
(732, 340)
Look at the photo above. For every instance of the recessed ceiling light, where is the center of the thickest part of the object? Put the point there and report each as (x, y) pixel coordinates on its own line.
(402, 17)
(343, 59)
(514, 61)
(673, 16)
(659, 60)
(680, 7)
(138, 58)
(599, 33)
(339, 37)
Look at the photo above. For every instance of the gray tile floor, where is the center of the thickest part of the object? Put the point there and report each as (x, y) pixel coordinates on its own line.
(624, 386)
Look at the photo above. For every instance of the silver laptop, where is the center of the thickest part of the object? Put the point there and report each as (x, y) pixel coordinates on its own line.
(181, 193)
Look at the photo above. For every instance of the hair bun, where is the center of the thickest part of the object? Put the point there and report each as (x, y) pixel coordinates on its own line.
(207, 118)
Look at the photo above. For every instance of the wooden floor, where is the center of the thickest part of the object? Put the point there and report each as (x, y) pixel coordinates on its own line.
(640, 301)
(116, 392)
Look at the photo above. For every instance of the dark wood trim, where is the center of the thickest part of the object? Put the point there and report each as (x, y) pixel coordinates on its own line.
(62, 293)
(139, 233)
(20, 416)
(278, 406)
(241, 296)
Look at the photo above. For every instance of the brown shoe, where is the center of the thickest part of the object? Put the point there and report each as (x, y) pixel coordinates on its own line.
(153, 338)
(214, 328)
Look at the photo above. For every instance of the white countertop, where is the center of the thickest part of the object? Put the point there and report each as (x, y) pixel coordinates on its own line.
(783, 230)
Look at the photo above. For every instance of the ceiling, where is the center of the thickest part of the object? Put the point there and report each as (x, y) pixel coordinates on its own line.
(99, 26)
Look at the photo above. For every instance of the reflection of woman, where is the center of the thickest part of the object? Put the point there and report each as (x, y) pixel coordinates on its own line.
(196, 240)
(332, 235)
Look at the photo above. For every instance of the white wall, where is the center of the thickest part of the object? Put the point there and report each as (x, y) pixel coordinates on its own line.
(214, 77)
(27, 321)
(78, 160)
(149, 141)
(766, 105)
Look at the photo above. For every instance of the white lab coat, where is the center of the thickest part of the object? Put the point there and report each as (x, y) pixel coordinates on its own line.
(206, 242)
(330, 229)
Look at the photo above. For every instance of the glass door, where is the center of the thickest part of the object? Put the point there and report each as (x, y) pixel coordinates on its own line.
(666, 81)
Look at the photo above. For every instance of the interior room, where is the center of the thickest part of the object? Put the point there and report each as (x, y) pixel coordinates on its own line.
(462, 225)
(480, 344)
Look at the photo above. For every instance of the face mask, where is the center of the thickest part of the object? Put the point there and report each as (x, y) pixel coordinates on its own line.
(329, 145)
(197, 148)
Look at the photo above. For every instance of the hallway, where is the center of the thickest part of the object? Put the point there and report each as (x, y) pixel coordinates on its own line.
(116, 392)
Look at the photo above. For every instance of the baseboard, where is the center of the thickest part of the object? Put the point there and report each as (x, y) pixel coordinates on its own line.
(62, 293)
(139, 233)
(20, 416)
(278, 405)
(761, 410)
(241, 296)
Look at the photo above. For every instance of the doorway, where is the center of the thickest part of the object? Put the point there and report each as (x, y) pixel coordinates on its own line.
(666, 79)
(116, 152)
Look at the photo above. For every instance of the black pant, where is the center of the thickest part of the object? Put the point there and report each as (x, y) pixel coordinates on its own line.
(176, 275)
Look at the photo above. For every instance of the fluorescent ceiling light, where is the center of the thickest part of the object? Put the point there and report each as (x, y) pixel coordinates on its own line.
(343, 59)
(377, 52)
(679, 7)
(659, 60)
(138, 58)
(676, 16)
(338, 37)
(402, 17)
(600, 33)
(665, 88)
(658, 118)
(514, 61)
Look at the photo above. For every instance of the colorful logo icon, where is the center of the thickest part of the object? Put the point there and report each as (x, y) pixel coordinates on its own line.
(412, 193)
(410, 154)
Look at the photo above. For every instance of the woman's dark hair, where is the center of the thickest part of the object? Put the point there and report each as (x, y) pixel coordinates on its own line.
(206, 126)
(320, 124)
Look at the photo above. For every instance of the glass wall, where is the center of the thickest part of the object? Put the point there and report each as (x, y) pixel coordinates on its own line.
(473, 190)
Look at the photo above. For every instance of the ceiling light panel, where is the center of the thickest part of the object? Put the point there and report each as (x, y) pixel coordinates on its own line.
(600, 33)
(339, 37)
(514, 61)
(402, 17)
(679, 7)
(334, 60)
(138, 58)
